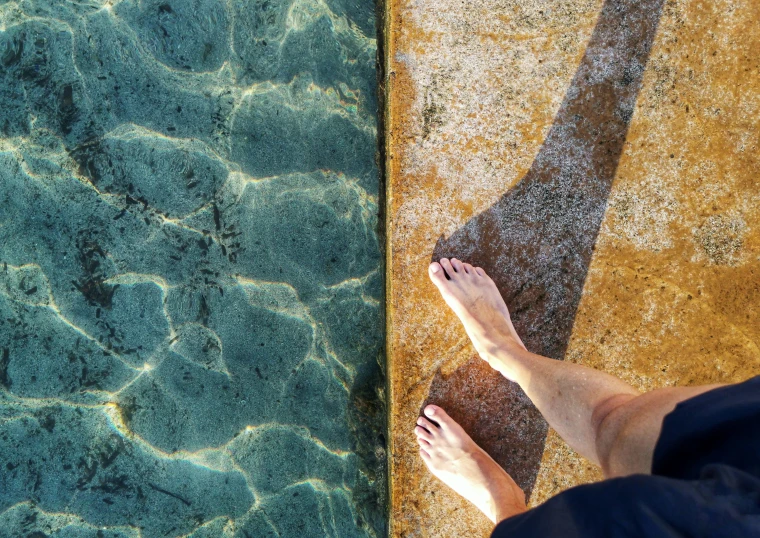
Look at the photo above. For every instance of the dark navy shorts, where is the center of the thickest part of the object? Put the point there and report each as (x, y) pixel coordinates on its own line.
(705, 481)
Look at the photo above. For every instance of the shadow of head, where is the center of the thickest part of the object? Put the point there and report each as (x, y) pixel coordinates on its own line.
(537, 240)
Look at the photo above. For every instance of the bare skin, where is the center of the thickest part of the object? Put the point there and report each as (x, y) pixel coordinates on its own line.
(452, 456)
(604, 419)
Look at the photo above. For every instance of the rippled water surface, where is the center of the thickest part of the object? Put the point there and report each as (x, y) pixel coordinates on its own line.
(190, 276)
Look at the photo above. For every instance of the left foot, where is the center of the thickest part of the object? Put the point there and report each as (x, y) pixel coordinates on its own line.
(452, 456)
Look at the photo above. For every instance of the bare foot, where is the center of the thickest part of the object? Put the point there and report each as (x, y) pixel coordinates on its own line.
(473, 296)
(452, 456)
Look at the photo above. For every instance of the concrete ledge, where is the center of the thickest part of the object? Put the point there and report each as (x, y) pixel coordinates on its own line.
(600, 161)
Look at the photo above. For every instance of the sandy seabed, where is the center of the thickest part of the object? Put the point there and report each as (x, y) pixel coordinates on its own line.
(191, 294)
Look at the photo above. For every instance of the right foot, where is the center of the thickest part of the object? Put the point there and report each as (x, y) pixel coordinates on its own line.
(452, 456)
(474, 298)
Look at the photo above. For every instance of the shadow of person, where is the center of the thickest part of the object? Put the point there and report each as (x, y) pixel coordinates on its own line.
(536, 242)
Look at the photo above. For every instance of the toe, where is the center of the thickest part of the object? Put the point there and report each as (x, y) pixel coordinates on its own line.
(424, 443)
(458, 266)
(428, 425)
(468, 268)
(439, 415)
(480, 271)
(422, 433)
(446, 264)
(425, 456)
(437, 274)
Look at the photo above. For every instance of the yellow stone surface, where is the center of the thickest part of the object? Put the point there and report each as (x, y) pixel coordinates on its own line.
(649, 268)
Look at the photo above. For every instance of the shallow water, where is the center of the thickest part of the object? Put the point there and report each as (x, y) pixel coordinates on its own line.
(190, 276)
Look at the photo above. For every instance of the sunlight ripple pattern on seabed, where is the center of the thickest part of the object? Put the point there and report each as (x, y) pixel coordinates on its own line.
(191, 289)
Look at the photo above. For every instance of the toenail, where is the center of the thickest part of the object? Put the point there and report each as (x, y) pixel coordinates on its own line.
(430, 411)
(435, 267)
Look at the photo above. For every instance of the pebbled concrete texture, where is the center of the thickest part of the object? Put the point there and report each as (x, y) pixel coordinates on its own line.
(191, 314)
(600, 160)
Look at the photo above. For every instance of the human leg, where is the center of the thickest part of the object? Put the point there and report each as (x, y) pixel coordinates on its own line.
(598, 415)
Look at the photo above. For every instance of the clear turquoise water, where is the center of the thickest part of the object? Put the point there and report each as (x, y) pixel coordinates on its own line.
(190, 273)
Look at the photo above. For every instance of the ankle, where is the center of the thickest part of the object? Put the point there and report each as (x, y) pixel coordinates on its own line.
(493, 341)
(502, 353)
(507, 499)
(510, 507)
